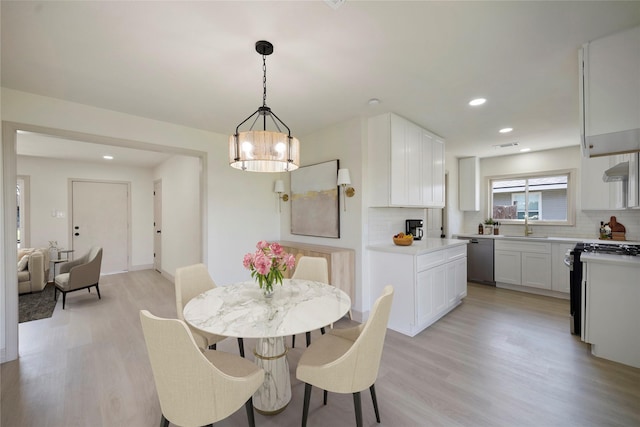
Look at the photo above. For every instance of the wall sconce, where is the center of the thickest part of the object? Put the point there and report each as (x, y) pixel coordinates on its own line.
(344, 179)
(279, 190)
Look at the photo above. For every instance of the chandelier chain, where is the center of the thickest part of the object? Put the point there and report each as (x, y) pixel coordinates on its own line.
(264, 80)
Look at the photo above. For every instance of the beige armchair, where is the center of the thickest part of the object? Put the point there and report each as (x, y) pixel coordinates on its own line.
(81, 273)
(191, 281)
(347, 360)
(310, 268)
(196, 387)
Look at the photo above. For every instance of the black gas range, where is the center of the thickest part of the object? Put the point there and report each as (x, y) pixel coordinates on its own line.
(572, 260)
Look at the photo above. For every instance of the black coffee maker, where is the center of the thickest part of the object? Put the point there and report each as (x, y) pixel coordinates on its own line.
(414, 227)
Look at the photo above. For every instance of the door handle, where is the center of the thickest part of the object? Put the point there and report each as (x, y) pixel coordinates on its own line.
(76, 234)
(159, 231)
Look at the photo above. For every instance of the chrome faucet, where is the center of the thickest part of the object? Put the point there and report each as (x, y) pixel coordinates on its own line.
(528, 231)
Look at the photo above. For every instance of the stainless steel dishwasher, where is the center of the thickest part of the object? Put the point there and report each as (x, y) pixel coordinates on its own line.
(480, 260)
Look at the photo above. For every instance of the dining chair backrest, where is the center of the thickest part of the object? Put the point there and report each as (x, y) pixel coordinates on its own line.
(191, 281)
(192, 390)
(358, 367)
(312, 268)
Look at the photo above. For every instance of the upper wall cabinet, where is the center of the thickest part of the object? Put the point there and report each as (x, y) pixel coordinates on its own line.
(610, 94)
(469, 184)
(406, 164)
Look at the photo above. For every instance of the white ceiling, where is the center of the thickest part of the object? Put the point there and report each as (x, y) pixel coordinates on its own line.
(194, 63)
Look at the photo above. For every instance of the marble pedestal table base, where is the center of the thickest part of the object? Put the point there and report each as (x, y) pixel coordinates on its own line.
(275, 393)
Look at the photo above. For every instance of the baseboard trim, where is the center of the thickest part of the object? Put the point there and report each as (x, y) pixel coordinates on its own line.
(141, 267)
(530, 290)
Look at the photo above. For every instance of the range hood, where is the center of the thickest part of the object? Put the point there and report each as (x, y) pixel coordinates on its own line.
(619, 172)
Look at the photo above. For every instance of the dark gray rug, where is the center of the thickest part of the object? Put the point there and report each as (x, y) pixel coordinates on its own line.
(38, 305)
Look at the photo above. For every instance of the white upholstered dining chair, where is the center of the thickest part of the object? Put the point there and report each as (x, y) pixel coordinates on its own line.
(347, 360)
(196, 387)
(310, 268)
(191, 281)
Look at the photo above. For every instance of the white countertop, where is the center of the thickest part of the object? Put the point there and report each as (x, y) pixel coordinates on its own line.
(550, 239)
(426, 245)
(632, 261)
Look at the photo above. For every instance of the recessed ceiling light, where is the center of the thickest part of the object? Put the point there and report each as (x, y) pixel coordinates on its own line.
(524, 150)
(477, 101)
(374, 101)
(505, 130)
(107, 157)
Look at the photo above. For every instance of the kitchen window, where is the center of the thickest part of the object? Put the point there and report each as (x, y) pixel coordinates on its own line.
(545, 198)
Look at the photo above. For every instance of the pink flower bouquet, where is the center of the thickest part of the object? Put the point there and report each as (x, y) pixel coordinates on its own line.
(268, 263)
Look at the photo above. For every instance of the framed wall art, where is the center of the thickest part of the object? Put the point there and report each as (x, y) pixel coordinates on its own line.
(315, 207)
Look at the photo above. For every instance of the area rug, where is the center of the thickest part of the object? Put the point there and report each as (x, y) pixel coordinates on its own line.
(38, 305)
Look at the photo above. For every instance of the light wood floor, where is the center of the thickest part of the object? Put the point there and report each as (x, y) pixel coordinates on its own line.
(502, 358)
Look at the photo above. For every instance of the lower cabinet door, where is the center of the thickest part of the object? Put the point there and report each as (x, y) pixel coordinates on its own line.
(431, 293)
(507, 267)
(536, 270)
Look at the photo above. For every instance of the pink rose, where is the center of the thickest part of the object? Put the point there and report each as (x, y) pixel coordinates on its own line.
(276, 249)
(247, 260)
(262, 244)
(290, 261)
(262, 263)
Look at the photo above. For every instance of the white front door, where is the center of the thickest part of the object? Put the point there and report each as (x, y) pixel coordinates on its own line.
(100, 217)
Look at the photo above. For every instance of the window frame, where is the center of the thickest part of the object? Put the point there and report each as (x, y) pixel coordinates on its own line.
(571, 196)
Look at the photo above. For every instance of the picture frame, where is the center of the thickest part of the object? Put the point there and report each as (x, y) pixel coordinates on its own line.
(315, 205)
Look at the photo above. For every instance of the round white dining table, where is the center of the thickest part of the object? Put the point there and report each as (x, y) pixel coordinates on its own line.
(241, 310)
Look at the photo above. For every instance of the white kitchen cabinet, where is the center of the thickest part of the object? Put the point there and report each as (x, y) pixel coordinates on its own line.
(536, 271)
(507, 267)
(610, 94)
(469, 184)
(406, 164)
(427, 286)
(559, 271)
(523, 263)
(597, 194)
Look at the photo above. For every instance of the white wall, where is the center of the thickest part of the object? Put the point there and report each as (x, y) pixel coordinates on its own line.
(343, 142)
(181, 231)
(238, 205)
(50, 191)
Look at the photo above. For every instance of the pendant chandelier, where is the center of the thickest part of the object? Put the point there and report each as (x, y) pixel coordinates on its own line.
(264, 150)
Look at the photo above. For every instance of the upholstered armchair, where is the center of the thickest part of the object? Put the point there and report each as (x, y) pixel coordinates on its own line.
(81, 273)
(33, 271)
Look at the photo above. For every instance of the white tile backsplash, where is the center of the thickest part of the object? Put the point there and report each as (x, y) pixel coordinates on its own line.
(385, 222)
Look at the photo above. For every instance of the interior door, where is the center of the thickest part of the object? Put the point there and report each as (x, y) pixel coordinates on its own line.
(100, 217)
(157, 225)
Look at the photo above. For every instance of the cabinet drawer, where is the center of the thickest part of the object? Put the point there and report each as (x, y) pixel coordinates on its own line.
(520, 246)
(429, 260)
(456, 252)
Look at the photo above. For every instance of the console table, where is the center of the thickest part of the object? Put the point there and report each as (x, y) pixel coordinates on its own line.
(341, 263)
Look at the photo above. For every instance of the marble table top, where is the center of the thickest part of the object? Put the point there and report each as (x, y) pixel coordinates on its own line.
(241, 310)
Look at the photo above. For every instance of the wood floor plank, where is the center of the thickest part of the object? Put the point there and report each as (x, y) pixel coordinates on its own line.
(502, 358)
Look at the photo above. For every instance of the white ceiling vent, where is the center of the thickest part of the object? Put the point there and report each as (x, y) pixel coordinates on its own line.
(506, 145)
(335, 4)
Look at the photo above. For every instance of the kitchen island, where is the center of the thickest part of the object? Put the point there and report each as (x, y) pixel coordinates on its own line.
(611, 298)
(429, 277)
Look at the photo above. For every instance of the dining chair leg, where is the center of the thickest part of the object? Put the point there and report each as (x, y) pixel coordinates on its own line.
(241, 346)
(308, 334)
(64, 299)
(293, 341)
(250, 416)
(55, 293)
(305, 407)
(98, 290)
(372, 389)
(164, 422)
(357, 403)
(322, 331)
(213, 346)
(324, 397)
